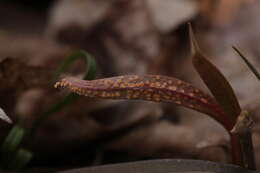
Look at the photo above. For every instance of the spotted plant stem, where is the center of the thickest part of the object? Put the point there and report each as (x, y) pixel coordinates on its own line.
(148, 87)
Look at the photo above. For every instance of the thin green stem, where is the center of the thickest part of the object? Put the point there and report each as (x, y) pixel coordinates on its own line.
(252, 68)
(89, 75)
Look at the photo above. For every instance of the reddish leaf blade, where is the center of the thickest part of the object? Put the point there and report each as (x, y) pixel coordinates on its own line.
(149, 87)
(222, 91)
(215, 80)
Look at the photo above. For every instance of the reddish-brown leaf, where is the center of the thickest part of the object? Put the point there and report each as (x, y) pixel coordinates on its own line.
(215, 81)
(149, 87)
(222, 91)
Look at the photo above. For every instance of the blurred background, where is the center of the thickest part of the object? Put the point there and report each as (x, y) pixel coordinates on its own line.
(125, 37)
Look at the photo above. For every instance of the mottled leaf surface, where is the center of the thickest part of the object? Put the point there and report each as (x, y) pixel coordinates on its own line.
(148, 87)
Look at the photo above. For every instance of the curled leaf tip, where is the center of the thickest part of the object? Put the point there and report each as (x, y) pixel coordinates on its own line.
(193, 42)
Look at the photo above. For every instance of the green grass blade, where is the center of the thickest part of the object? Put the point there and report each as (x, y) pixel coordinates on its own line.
(20, 160)
(89, 75)
(251, 67)
(10, 145)
(16, 160)
(14, 139)
(89, 60)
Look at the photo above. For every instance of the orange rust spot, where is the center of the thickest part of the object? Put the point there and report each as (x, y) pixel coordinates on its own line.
(157, 99)
(135, 77)
(146, 92)
(136, 84)
(178, 102)
(204, 100)
(164, 85)
(156, 95)
(57, 85)
(150, 87)
(103, 94)
(117, 94)
(130, 92)
(191, 94)
(80, 90)
(148, 98)
(95, 92)
(173, 88)
(166, 97)
(131, 85)
(147, 82)
(134, 96)
(123, 85)
(152, 84)
(116, 85)
(191, 106)
(119, 81)
(148, 95)
(150, 90)
(108, 82)
(141, 84)
(169, 82)
(157, 84)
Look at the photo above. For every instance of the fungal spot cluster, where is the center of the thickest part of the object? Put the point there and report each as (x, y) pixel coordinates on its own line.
(149, 87)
